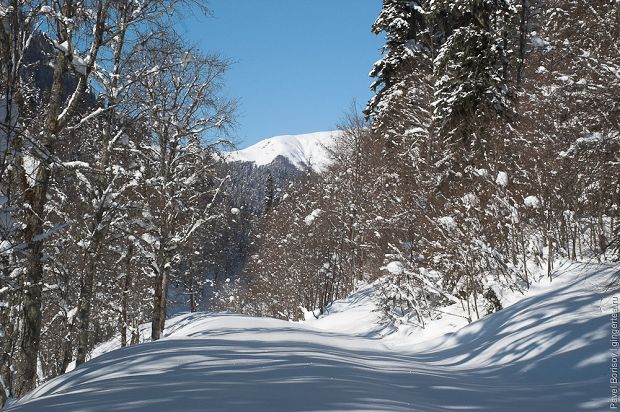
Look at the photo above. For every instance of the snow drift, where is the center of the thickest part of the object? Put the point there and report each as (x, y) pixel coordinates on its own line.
(548, 351)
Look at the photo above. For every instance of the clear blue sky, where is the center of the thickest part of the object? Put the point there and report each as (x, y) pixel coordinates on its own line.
(299, 64)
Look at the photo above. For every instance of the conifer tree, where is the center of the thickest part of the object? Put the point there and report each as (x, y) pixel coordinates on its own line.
(400, 75)
(472, 73)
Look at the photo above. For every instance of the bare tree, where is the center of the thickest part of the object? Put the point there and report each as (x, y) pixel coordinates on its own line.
(181, 106)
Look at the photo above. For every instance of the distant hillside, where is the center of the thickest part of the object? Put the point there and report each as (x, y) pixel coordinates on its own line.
(303, 151)
(248, 181)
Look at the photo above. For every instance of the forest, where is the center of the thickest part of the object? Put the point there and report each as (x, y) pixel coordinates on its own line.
(491, 147)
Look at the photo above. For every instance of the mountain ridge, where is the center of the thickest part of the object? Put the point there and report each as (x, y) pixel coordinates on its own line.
(302, 150)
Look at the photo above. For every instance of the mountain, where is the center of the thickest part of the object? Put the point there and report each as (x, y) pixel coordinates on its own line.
(283, 159)
(303, 151)
(271, 165)
(548, 350)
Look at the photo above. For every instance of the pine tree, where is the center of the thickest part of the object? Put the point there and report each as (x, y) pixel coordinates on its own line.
(472, 73)
(400, 76)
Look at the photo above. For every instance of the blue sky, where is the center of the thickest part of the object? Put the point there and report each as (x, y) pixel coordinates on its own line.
(299, 64)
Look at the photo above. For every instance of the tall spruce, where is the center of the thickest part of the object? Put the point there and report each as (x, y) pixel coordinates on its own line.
(399, 75)
(472, 73)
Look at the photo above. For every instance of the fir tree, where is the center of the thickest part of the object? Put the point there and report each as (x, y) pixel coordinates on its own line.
(471, 71)
(399, 75)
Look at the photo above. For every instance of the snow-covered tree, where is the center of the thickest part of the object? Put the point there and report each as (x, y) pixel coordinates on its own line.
(400, 108)
(472, 73)
(55, 85)
(181, 105)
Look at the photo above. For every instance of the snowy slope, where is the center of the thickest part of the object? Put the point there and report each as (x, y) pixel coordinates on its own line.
(302, 150)
(547, 352)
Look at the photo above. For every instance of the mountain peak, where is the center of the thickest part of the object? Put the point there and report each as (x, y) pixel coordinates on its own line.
(303, 150)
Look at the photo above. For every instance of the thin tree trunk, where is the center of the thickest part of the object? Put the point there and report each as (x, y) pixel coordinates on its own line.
(67, 348)
(6, 364)
(36, 198)
(84, 309)
(125, 297)
(574, 242)
(155, 319)
(549, 256)
(524, 256)
(158, 322)
(475, 298)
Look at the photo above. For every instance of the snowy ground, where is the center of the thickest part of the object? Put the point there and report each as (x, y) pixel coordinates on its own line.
(549, 351)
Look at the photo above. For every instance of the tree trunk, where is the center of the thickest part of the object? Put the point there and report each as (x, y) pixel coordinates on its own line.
(155, 318)
(524, 257)
(6, 362)
(67, 349)
(125, 298)
(84, 309)
(158, 321)
(192, 302)
(36, 197)
(164, 301)
(574, 241)
(549, 256)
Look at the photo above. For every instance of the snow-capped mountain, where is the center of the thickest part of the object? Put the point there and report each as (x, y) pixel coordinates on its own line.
(301, 150)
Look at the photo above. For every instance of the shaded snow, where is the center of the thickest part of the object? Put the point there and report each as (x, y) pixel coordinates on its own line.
(302, 150)
(549, 351)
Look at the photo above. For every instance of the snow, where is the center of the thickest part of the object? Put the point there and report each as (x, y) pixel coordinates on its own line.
(548, 350)
(150, 238)
(590, 141)
(532, 201)
(482, 172)
(302, 150)
(5, 245)
(539, 43)
(470, 200)
(309, 220)
(64, 46)
(502, 179)
(395, 268)
(31, 167)
(447, 222)
(76, 165)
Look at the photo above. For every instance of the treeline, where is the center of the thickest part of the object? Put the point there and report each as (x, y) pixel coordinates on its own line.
(109, 190)
(491, 147)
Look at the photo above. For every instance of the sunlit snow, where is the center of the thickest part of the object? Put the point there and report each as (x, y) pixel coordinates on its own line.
(304, 150)
(546, 352)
